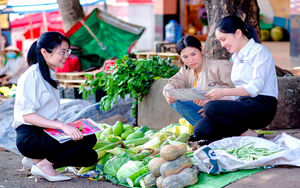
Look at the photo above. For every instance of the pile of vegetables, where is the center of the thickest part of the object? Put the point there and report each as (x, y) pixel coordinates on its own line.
(173, 169)
(124, 152)
(248, 152)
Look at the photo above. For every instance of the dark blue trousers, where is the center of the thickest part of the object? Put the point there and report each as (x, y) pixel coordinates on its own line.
(224, 118)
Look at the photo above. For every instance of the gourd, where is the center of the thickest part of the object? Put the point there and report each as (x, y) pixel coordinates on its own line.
(171, 152)
(135, 135)
(196, 169)
(175, 166)
(154, 166)
(131, 179)
(149, 181)
(159, 181)
(185, 178)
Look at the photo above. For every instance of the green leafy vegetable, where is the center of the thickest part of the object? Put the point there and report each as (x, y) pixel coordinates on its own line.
(113, 165)
(128, 169)
(130, 76)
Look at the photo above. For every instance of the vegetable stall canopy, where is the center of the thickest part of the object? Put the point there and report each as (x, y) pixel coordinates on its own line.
(32, 6)
(104, 35)
(36, 22)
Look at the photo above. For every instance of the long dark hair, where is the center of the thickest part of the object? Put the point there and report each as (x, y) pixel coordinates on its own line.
(188, 41)
(230, 24)
(49, 41)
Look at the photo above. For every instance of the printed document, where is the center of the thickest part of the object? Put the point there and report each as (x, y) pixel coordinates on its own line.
(190, 94)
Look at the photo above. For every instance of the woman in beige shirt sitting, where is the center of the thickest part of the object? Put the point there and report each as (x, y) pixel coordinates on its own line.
(196, 70)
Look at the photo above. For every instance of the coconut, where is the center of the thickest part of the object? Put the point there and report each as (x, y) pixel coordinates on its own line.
(277, 33)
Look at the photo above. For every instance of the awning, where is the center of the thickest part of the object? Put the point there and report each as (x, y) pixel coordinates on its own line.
(34, 6)
(34, 24)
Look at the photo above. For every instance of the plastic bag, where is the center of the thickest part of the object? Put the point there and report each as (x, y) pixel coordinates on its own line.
(215, 161)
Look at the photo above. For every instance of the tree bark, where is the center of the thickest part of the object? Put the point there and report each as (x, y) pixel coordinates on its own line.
(248, 10)
(71, 12)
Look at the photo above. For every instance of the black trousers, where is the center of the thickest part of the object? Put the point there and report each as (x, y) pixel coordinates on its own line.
(34, 143)
(225, 118)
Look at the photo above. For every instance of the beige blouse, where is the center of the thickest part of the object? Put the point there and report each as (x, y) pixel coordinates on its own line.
(214, 74)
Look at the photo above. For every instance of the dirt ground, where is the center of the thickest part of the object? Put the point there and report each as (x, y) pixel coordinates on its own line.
(10, 177)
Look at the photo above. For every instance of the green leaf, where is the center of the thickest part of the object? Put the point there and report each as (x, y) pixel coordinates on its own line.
(157, 77)
(100, 74)
(123, 93)
(88, 74)
(134, 93)
(115, 98)
(81, 88)
(138, 67)
(94, 90)
(94, 82)
(121, 83)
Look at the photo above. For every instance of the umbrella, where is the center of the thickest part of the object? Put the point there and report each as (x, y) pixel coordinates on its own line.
(34, 24)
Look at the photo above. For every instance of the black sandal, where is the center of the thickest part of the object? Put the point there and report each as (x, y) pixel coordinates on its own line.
(193, 138)
(204, 142)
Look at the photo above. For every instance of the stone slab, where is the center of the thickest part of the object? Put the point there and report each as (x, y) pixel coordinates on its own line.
(288, 108)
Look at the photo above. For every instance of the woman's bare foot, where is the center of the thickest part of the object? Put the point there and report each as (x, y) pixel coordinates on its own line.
(249, 132)
(47, 167)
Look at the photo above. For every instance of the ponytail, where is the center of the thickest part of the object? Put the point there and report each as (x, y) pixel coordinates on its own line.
(251, 33)
(230, 24)
(31, 55)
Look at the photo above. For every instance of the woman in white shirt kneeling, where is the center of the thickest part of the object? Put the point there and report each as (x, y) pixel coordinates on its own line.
(255, 94)
(37, 107)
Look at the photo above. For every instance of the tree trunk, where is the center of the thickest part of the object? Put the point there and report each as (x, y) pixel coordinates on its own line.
(71, 12)
(248, 10)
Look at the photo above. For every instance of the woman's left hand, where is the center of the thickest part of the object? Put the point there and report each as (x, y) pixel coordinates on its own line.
(201, 112)
(72, 131)
(214, 94)
(201, 102)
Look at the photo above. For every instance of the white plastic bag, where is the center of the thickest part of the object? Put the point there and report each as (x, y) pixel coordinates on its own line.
(215, 161)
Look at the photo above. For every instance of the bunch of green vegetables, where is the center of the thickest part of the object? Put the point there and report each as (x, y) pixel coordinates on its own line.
(124, 152)
(130, 76)
(248, 152)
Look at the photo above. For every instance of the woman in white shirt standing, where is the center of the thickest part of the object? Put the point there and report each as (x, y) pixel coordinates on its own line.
(255, 94)
(36, 108)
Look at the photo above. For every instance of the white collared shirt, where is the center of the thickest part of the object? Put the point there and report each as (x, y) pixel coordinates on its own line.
(254, 69)
(35, 95)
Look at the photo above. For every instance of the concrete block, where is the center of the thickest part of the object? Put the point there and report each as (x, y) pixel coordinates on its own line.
(154, 111)
(288, 108)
